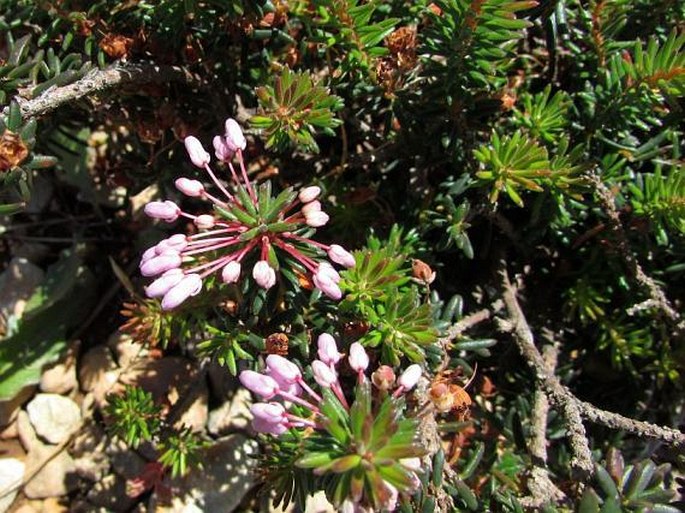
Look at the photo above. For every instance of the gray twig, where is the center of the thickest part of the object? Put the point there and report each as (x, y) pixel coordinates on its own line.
(99, 80)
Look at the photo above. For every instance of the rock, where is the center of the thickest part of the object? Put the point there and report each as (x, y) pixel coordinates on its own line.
(125, 462)
(60, 377)
(11, 475)
(17, 284)
(195, 415)
(54, 417)
(166, 379)
(110, 494)
(231, 415)
(125, 349)
(88, 451)
(98, 373)
(10, 409)
(318, 503)
(226, 476)
(221, 383)
(56, 478)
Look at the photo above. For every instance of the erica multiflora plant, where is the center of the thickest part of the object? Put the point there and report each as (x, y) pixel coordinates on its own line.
(246, 227)
(360, 446)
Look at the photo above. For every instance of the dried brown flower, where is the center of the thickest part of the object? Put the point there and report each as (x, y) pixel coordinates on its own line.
(13, 151)
(422, 272)
(116, 46)
(277, 343)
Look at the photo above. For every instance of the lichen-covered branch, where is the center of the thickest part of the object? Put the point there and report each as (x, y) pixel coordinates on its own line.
(99, 80)
(657, 296)
(573, 409)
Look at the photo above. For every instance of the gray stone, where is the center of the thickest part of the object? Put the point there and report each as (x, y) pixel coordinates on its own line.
(125, 349)
(98, 373)
(88, 451)
(56, 478)
(11, 475)
(226, 476)
(54, 417)
(60, 377)
(109, 494)
(233, 414)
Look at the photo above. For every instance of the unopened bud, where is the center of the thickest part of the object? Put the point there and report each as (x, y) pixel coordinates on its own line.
(196, 152)
(358, 358)
(309, 194)
(189, 286)
(410, 377)
(323, 374)
(165, 210)
(231, 272)
(205, 221)
(192, 188)
(221, 149)
(316, 219)
(383, 378)
(264, 274)
(235, 140)
(341, 256)
(422, 272)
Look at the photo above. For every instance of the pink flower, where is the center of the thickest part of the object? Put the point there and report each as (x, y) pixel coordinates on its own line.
(264, 274)
(231, 272)
(286, 370)
(161, 263)
(164, 283)
(235, 140)
(221, 149)
(328, 287)
(148, 254)
(272, 412)
(326, 272)
(175, 243)
(323, 374)
(358, 358)
(268, 427)
(192, 188)
(328, 350)
(410, 377)
(309, 194)
(165, 210)
(205, 221)
(259, 384)
(196, 152)
(189, 286)
(341, 256)
(316, 219)
(310, 208)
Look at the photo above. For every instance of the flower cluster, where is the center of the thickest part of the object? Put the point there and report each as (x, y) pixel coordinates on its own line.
(364, 439)
(246, 224)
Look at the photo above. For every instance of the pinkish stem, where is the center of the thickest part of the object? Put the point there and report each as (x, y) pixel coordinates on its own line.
(218, 183)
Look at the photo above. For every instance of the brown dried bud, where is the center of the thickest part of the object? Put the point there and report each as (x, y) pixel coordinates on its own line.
(116, 46)
(383, 378)
(13, 151)
(422, 272)
(277, 343)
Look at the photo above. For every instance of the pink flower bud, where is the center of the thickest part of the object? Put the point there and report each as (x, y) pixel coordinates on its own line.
(204, 221)
(358, 358)
(309, 194)
(264, 275)
(164, 283)
(270, 412)
(268, 427)
(410, 377)
(310, 208)
(192, 188)
(328, 287)
(316, 219)
(160, 263)
(165, 210)
(196, 152)
(341, 256)
(235, 140)
(221, 149)
(175, 243)
(286, 370)
(327, 272)
(259, 384)
(231, 272)
(323, 374)
(391, 496)
(328, 350)
(383, 378)
(189, 286)
(148, 254)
